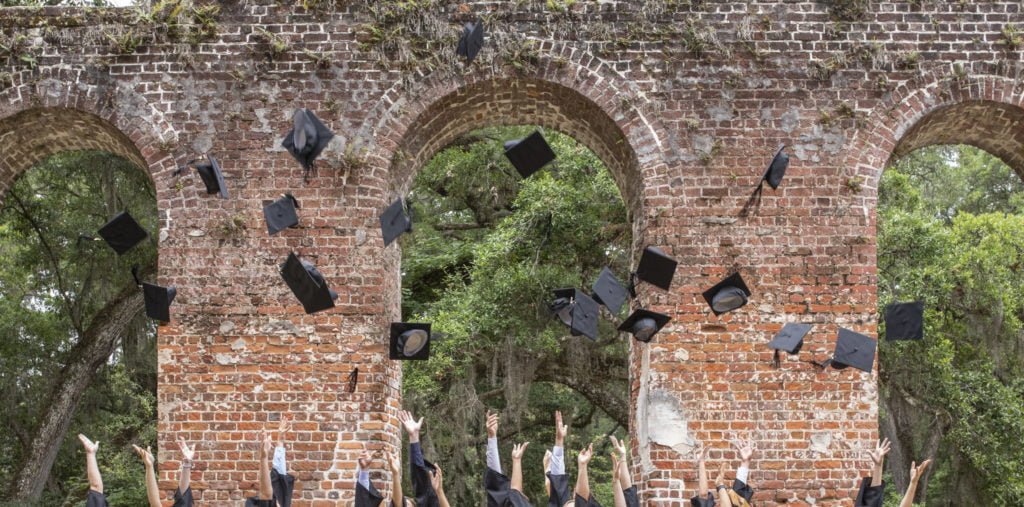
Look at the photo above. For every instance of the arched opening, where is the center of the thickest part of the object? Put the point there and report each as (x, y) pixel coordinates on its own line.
(79, 353)
(950, 219)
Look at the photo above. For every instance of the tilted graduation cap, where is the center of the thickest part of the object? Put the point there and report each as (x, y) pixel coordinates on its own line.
(643, 324)
(530, 154)
(656, 268)
(608, 291)
(577, 310)
(904, 321)
(472, 40)
(776, 170)
(308, 137)
(211, 174)
(307, 284)
(727, 295)
(410, 341)
(853, 349)
(790, 339)
(395, 221)
(158, 299)
(281, 214)
(122, 233)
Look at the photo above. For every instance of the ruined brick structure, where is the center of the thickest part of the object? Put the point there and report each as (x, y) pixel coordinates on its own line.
(685, 101)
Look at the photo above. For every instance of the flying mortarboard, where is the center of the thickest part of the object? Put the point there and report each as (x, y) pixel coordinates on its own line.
(576, 310)
(777, 169)
(530, 154)
(211, 174)
(410, 341)
(790, 339)
(727, 295)
(281, 214)
(853, 349)
(472, 40)
(307, 284)
(395, 221)
(904, 321)
(656, 268)
(158, 299)
(643, 324)
(122, 233)
(608, 291)
(308, 137)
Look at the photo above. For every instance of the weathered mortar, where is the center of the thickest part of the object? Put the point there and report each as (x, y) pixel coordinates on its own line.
(685, 104)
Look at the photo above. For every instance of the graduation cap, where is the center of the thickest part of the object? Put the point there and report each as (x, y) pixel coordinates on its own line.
(472, 40)
(904, 321)
(281, 214)
(395, 221)
(609, 292)
(210, 173)
(776, 170)
(529, 154)
(307, 284)
(410, 341)
(576, 310)
(643, 324)
(308, 138)
(727, 295)
(790, 339)
(656, 268)
(122, 233)
(852, 349)
(158, 299)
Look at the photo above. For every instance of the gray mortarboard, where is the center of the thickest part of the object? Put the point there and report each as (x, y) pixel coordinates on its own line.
(472, 40)
(281, 214)
(158, 299)
(122, 233)
(790, 339)
(308, 137)
(395, 221)
(307, 284)
(608, 291)
(853, 349)
(904, 321)
(643, 324)
(410, 341)
(577, 310)
(212, 176)
(529, 154)
(727, 295)
(777, 169)
(656, 268)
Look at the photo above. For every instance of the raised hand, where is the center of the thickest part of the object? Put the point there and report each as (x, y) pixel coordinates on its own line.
(268, 445)
(186, 453)
(701, 452)
(561, 430)
(411, 425)
(283, 427)
(620, 447)
(518, 450)
(88, 445)
(879, 453)
(492, 424)
(395, 463)
(145, 454)
(917, 471)
(720, 479)
(437, 479)
(744, 449)
(365, 459)
(547, 461)
(584, 458)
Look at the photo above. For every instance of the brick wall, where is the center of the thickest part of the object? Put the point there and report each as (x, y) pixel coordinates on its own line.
(685, 102)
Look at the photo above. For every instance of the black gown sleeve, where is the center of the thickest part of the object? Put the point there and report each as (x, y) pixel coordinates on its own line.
(421, 485)
(632, 498)
(697, 501)
(95, 499)
(559, 490)
(183, 499)
(367, 497)
(517, 499)
(743, 489)
(869, 496)
(589, 502)
(284, 486)
(256, 502)
(497, 487)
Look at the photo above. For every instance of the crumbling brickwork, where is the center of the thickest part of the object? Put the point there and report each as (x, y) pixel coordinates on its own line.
(685, 101)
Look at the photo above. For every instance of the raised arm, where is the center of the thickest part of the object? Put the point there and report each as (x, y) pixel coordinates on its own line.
(152, 488)
(722, 488)
(518, 451)
(547, 469)
(702, 471)
(395, 464)
(915, 476)
(92, 469)
(185, 476)
(582, 479)
(493, 457)
(622, 471)
(280, 462)
(266, 447)
(878, 457)
(617, 495)
(437, 480)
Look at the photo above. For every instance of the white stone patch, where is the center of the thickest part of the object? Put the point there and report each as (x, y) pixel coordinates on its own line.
(225, 359)
(820, 442)
(226, 327)
(238, 345)
(667, 423)
(196, 233)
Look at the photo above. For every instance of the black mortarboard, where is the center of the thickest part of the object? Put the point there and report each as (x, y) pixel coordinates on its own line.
(410, 341)
(791, 337)
(281, 214)
(656, 268)
(577, 310)
(212, 176)
(472, 40)
(609, 292)
(307, 284)
(122, 233)
(727, 295)
(308, 137)
(777, 169)
(904, 321)
(854, 349)
(643, 324)
(395, 221)
(530, 154)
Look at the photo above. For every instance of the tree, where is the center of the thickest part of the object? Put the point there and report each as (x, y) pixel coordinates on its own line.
(487, 251)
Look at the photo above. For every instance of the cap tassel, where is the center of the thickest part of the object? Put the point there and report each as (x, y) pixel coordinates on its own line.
(823, 364)
(83, 237)
(776, 361)
(632, 284)
(135, 274)
(353, 380)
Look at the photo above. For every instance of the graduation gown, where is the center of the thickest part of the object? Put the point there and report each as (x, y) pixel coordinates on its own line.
(421, 475)
(559, 490)
(255, 502)
(183, 499)
(632, 498)
(500, 492)
(284, 486)
(590, 502)
(869, 496)
(367, 497)
(95, 499)
(697, 501)
(743, 489)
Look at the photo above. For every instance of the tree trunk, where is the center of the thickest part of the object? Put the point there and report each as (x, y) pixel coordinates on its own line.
(596, 379)
(91, 351)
